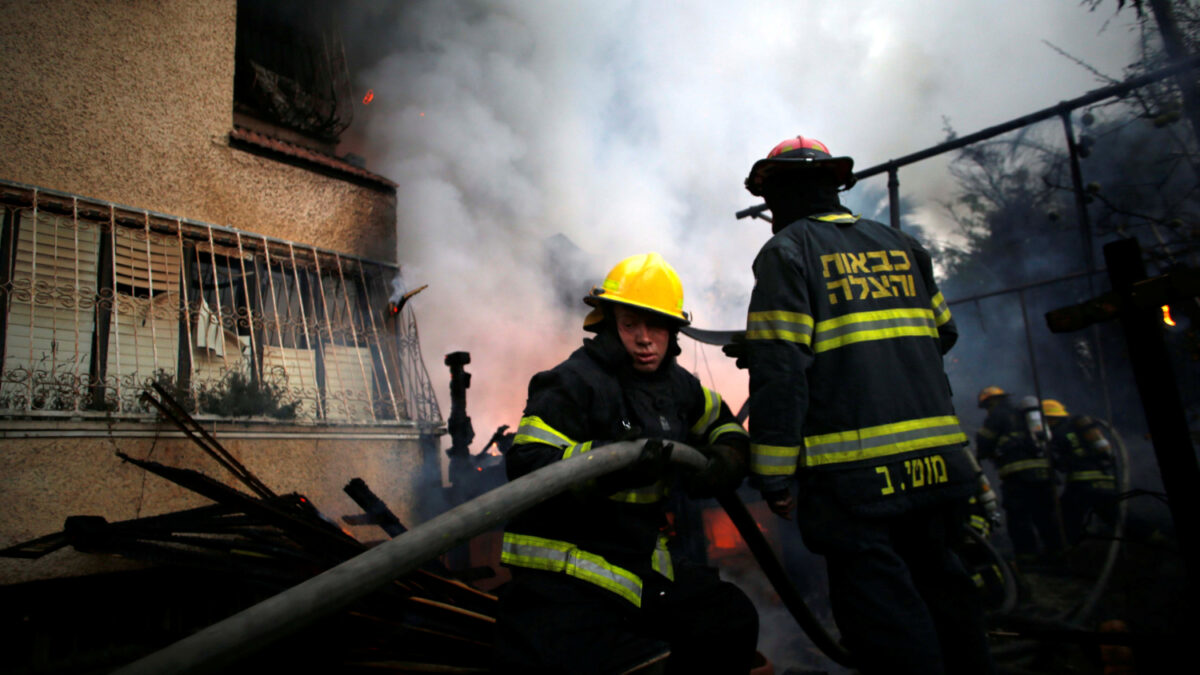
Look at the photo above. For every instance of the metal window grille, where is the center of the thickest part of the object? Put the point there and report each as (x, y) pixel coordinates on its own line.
(99, 300)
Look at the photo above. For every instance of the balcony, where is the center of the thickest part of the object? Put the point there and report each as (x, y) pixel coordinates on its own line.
(98, 300)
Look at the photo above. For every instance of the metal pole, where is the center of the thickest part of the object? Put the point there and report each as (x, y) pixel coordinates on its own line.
(1037, 387)
(1089, 257)
(894, 195)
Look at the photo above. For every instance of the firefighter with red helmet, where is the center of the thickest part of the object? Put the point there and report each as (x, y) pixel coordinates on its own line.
(850, 405)
(1013, 438)
(1081, 451)
(595, 588)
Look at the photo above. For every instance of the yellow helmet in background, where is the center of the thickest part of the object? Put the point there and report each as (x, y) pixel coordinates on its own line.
(1053, 408)
(988, 392)
(643, 281)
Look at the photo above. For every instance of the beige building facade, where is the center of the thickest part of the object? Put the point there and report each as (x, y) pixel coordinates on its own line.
(174, 212)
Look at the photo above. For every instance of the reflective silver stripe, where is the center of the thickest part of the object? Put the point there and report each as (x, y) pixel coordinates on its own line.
(533, 430)
(773, 460)
(884, 440)
(730, 428)
(1023, 465)
(552, 555)
(712, 408)
(941, 311)
(643, 495)
(661, 559)
(879, 325)
(779, 325)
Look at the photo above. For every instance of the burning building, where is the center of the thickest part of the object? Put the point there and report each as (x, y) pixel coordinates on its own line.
(174, 212)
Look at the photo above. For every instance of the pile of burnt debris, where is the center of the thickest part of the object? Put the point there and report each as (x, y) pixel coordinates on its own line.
(203, 564)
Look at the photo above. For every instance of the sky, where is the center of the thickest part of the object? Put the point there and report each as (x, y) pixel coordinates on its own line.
(628, 126)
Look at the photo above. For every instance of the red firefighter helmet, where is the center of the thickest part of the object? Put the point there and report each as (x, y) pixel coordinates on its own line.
(803, 157)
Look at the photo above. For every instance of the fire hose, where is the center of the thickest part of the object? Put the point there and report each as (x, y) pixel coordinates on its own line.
(236, 637)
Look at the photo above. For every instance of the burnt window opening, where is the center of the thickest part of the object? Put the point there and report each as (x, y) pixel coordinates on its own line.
(290, 71)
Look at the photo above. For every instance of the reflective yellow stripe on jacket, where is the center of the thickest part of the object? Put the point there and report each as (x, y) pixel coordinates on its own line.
(643, 495)
(661, 562)
(879, 325)
(712, 411)
(884, 440)
(774, 460)
(941, 311)
(780, 325)
(1090, 475)
(837, 218)
(533, 430)
(1023, 465)
(842, 330)
(731, 428)
(712, 408)
(551, 555)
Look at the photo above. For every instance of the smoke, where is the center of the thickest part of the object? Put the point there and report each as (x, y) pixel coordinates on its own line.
(628, 127)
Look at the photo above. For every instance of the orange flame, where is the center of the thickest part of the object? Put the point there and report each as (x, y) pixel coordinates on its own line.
(1166, 310)
(369, 97)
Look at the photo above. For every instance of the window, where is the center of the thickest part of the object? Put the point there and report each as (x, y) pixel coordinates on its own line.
(49, 285)
(103, 302)
(290, 71)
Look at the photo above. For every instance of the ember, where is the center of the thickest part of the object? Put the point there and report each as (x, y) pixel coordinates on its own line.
(370, 96)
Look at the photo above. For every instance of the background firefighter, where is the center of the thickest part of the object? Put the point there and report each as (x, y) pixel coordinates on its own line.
(1014, 441)
(1085, 457)
(594, 588)
(844, 341)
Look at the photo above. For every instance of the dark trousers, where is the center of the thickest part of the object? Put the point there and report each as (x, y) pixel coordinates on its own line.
(1079, 500)
(901, 597)
(552, 623)
(1030, 518)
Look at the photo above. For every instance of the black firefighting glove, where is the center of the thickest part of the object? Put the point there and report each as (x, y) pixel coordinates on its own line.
(780, 502)
(723, 473)
(651, 464)
(736, 350)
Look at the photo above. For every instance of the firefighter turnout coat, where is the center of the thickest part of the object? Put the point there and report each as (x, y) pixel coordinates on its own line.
(1005, 439)
(1082, 453)
(610, 540)
(844, 340)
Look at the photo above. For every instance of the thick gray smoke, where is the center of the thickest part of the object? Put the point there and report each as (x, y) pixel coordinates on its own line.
(628, 127)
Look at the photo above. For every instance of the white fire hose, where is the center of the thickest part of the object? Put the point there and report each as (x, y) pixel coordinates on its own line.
(254, 628)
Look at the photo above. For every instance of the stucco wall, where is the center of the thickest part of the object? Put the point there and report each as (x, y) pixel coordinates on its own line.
(132, 101)
(48, 473)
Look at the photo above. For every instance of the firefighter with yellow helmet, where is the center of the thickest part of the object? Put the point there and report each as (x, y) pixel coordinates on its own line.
(850, 406)
(594, 587)
(1081, 451)
(1013, 438)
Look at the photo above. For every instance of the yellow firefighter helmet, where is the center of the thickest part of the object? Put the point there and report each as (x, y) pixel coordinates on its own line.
(989, 392)
(644, 281)
(1053, 408)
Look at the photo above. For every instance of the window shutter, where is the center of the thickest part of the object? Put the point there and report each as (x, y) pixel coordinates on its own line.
(348, 392)
(51, 311)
